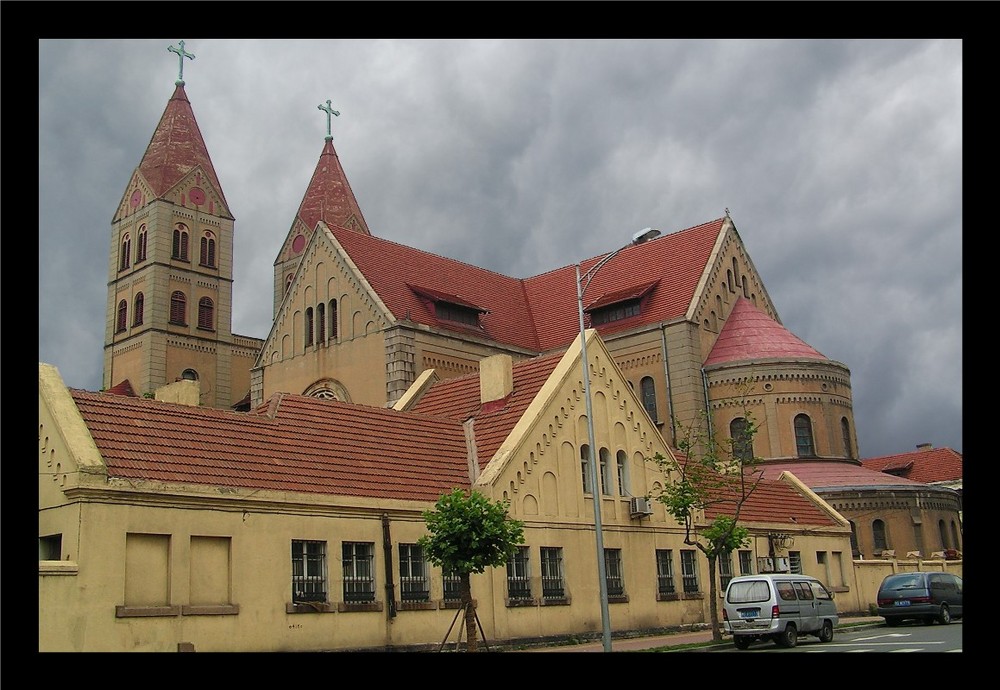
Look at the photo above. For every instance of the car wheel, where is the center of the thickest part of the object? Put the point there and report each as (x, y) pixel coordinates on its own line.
(787, 637)
(826, 632)
(944, 618)
(892, 622)
(742, 641)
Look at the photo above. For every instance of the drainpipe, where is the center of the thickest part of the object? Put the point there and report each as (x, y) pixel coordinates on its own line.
(390, 590)
(708, 409)
(670, 390)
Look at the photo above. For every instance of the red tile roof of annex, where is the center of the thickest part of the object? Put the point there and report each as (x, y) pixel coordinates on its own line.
(925, 465)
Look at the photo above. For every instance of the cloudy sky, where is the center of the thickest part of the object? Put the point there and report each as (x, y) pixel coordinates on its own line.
(840, 162)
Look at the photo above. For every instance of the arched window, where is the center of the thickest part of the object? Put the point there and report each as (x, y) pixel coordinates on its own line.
(742, 444)
(623, 484)
(718, 305)
(714, 321)
(137, 311)
(122, 316)
(879, 541)
(648, 391)
(333, 319)
(855, 551)
(309, 326)
(189, 375)
(804, 436)
(955, 543)
(140, 248)
(736, 270)
(288, 281)
(320, 323)
(206, 314)
(585, 467)
(746, 292)
(944, 534)
(845, 430)
(208, 250)
(178, 308)
(180, 247)
(729, 281)
(605, 472)
(126, 252)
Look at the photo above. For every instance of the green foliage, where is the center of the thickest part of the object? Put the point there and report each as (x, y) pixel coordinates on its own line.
(469, 533)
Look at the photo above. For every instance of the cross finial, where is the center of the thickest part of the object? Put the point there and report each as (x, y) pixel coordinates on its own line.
(181, 54)
(328, 109)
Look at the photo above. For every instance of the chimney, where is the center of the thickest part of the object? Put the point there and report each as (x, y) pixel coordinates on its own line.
(925, 446)
(185, 392)
(496, 378)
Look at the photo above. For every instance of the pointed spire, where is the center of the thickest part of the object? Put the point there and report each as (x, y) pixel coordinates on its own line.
(329, 197)
(176, 147)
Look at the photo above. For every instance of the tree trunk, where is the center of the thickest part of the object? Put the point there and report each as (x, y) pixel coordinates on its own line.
(470, 613)
(713, 600)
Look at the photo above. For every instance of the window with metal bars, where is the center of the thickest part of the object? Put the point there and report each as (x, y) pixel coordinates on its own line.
(795, 562)
(746, 563)
(452, 583)
(665, 571)
(552, 578)
(359, 575)
(518, 576)
(413, 584)
(689, 571)
(725, 563)
(308, 571)
(613, 572)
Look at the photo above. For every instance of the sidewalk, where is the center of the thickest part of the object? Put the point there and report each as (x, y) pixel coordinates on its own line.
(678, 639)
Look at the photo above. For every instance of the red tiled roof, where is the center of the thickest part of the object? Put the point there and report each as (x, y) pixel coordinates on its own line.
(538, 313)
(329, 197)
(774, 501)
(176, 148)
(629, 293)
(751, 334)
(123, 388)
(292, 443)
(458, 399)
(833, 474)
(925, 465)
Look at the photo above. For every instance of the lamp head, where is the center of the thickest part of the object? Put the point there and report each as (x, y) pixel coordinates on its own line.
(644, 235)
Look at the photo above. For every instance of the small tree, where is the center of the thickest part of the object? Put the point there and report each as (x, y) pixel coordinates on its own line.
(710, 473)
(469, 533)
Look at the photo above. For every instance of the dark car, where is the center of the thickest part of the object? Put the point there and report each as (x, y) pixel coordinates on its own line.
(925, 597)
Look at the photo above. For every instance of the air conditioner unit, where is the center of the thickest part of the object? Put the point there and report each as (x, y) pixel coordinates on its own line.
(765, 564)
(639, 505)
(781, 565)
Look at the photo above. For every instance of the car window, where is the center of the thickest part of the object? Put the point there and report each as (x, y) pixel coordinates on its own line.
(748, 592)
(820, 591)
(785, 590)
(904, 581)
(803, 591)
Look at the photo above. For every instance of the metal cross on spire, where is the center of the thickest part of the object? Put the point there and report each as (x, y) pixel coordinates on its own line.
(328, 109)
(181, 54)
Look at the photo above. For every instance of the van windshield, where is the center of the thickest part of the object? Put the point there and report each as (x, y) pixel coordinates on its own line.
(748, 592)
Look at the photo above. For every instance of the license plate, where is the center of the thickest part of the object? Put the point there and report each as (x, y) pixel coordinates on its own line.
(902, 602)
(749, 613)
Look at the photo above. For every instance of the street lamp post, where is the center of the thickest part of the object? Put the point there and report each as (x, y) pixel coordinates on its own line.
(595, 486)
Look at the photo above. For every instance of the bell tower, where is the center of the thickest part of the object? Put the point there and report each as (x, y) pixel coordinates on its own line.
(170, 276)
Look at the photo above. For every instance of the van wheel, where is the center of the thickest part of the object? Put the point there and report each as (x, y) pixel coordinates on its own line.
(787, 637)
(826, 632)
(742, 641)
(892, 622)
(944, 618)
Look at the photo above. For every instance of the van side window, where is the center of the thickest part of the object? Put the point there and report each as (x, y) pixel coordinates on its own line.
(820, 591)
(803, 591)
(785, 590)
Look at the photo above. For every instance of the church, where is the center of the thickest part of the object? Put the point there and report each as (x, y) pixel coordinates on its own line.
(228, 492)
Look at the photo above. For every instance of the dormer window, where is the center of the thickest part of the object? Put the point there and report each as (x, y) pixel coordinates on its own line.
(454, 312)
(619, 305)
(615, 312)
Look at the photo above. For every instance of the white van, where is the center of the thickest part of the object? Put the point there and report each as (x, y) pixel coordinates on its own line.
(778, 607)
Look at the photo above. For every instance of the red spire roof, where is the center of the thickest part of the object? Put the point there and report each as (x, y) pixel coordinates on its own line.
(329, 197)
(176, 148)
(750, 334)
